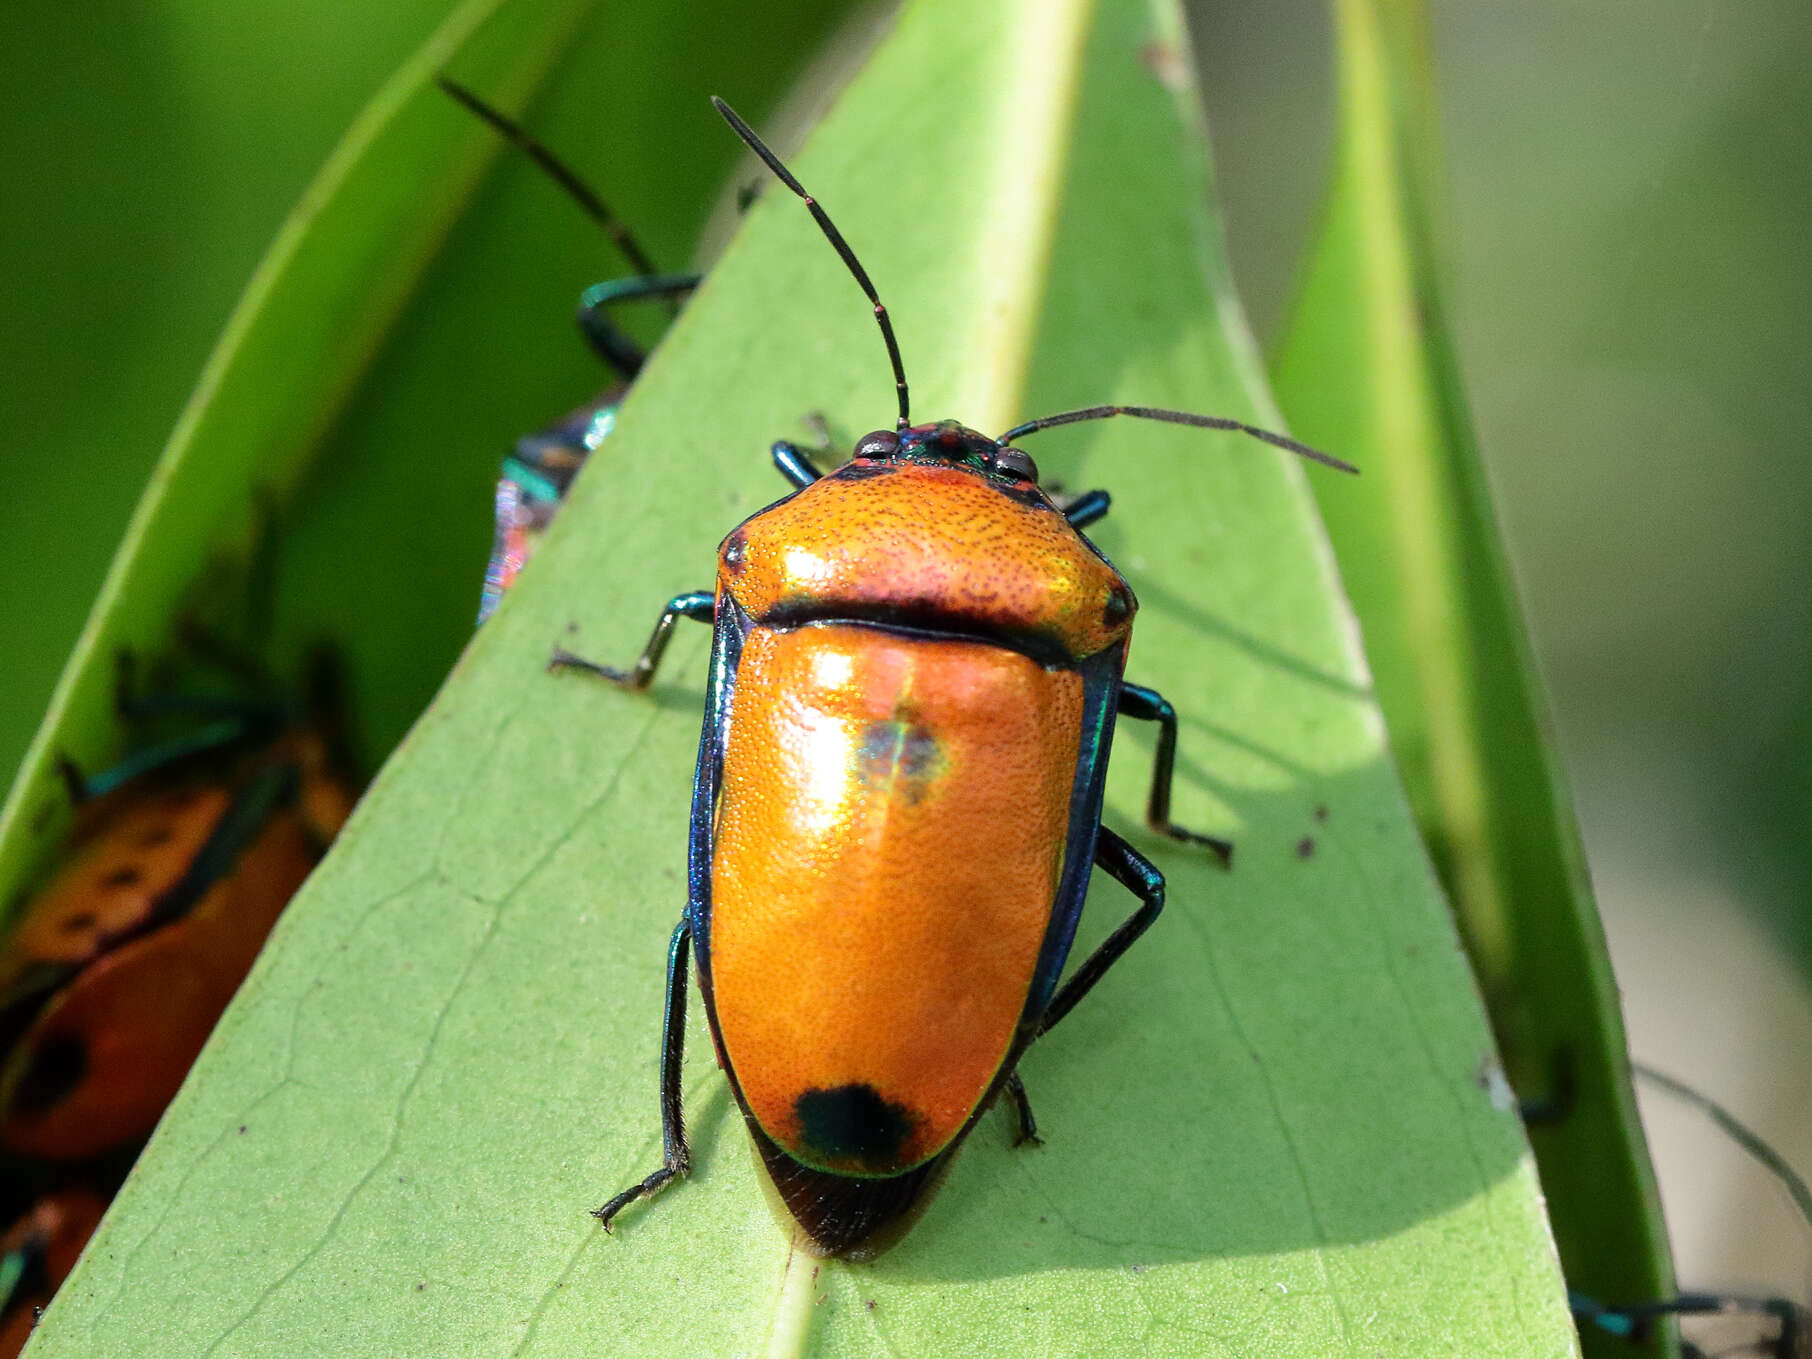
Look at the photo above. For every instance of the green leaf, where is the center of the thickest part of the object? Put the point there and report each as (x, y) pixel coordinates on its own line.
(306, 329)
(1269, 1130)
(1368, 366)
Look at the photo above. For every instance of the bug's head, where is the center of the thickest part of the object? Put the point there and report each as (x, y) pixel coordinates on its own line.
(950, 444)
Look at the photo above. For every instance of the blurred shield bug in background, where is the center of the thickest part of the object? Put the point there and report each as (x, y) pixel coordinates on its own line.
(916, 669)
(183, 857)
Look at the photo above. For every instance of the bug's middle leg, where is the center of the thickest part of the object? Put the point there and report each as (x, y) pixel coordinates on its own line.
(1140, 876)
(676, 1155)
(1148, 705)
(697, 604)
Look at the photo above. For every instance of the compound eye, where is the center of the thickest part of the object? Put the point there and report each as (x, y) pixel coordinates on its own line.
(883, 443)
(1011, 462)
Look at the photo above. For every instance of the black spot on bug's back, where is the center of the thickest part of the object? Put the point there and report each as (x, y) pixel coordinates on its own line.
(852, 1127)
(57, 1068)
(899, 754)
(122, 877)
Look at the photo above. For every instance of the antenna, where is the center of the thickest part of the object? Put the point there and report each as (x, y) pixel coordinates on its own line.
(576, 189)
(1175, 418)
(835, 237)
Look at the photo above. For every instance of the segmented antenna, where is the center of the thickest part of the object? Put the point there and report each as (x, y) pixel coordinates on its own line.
(835, 237)
(576, 189)
(1175, 418)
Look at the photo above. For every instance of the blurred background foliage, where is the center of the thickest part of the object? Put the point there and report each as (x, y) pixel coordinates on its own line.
(1632, 295)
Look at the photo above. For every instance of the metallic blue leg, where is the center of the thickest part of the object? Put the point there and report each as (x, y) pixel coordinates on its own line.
(1088, 508)
(1148, 705)
(698, 605)
(613, 344)
(1139, 876)
(676, 1156)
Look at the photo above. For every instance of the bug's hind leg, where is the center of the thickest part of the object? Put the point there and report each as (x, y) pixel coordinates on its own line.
(1148, 705)
(676, 1156)
(1025, 1131)
(697, 604)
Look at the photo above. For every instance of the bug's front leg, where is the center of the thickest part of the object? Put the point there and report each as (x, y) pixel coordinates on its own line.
(697, 604)
(795, 463)
(676, 1156)
(1088, 508)
(1148, 705)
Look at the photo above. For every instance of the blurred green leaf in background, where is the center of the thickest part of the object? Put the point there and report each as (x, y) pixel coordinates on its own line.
(1631, 304)
(1367, 360)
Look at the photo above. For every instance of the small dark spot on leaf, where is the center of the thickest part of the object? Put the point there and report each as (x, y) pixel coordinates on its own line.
(869, 1303)
(421, 1288)
(821, 1299)
(1305, 847)
(242, 1127)
(1321, 813)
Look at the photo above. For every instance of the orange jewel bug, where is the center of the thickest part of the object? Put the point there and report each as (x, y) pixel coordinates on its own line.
(916, 669)
(183, 857)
